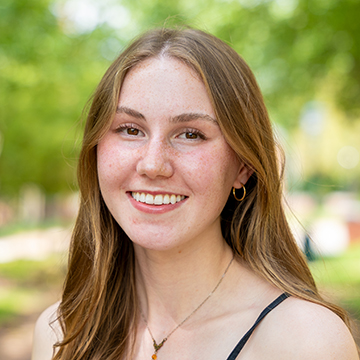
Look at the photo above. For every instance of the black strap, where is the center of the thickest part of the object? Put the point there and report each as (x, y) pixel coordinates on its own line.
(246, 337)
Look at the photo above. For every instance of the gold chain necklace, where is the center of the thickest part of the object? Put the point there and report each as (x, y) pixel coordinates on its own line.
(157, 346)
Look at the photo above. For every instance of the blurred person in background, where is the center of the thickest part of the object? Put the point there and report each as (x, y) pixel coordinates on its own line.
(181, 249)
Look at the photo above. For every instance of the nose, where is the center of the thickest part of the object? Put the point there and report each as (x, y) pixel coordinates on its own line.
(155, 160)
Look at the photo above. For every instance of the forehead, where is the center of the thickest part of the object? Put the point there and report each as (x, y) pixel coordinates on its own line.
(165, 82)
(162, 65)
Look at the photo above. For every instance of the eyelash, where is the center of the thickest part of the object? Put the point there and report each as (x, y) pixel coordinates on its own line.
(195, 132)
(123, 127)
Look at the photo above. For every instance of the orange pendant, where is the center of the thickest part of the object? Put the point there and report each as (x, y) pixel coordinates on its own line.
(154, 357)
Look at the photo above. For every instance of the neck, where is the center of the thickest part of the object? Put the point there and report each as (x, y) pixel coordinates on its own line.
(172, 284)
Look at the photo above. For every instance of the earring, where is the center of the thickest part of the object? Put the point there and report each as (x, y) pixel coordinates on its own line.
(234, 193)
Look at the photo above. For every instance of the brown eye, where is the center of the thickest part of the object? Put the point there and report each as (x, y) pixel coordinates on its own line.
(191, 135)
(132, 131)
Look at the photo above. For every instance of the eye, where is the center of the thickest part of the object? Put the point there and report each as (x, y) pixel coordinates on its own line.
(192, 134)
(129, 130)
(132, 131)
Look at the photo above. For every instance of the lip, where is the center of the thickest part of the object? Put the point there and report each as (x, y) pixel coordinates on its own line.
(160, 192)
(154, 209)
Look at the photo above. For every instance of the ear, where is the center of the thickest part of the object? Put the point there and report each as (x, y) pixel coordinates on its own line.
(243, 176)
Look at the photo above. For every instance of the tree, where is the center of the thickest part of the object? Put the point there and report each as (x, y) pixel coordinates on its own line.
(46, 78)
(300, 51)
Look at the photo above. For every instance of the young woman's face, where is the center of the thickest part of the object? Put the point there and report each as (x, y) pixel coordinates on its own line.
(164, 167)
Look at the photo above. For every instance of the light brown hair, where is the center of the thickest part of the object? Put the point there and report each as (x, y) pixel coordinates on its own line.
(99, 308)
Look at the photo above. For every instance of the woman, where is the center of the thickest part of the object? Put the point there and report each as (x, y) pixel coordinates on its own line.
(181, 240)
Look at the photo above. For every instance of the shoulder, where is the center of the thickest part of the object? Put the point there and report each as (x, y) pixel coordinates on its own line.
(299, 329)
(47, 332)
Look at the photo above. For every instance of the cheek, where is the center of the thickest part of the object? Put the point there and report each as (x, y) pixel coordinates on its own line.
(105, 163)
(111, 162)
(214, 171)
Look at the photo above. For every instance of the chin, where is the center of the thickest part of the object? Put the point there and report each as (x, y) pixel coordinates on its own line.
(154, 241)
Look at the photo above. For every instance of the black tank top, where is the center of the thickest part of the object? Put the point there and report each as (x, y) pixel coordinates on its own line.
(246, 337)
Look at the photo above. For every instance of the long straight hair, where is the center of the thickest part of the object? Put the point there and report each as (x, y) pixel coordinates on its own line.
(99, 308)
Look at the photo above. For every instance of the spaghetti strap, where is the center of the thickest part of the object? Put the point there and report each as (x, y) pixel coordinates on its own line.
(246, 337)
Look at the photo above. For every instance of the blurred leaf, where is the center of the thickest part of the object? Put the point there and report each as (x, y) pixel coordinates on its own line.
(46, 79)
(300, 51)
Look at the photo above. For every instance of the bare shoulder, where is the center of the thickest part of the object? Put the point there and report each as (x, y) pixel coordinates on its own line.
(47, 332)
(299, 329)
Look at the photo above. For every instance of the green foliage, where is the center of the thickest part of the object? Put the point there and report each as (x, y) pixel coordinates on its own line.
(29, 285)
(31, 273)
(46, 79)
(293, 46)
(339, 278)
(21, 226)
(341, 270)
(9, 304)
(300, 50)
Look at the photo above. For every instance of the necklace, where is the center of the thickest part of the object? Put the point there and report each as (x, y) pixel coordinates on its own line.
(158, 346)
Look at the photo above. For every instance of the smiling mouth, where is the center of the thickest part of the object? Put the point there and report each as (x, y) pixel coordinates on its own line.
(159, 199)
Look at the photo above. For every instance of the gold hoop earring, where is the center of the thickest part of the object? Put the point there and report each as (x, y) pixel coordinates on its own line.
(243, 197)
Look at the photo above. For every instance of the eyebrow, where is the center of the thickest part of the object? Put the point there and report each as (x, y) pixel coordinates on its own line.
(192, 116)
(131, 112)
(186, 117)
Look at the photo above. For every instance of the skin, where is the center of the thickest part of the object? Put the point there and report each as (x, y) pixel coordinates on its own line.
(157, 145)
(180, 252)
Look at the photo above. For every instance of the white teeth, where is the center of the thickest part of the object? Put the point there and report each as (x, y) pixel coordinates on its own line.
(158, 199)
(149, 199)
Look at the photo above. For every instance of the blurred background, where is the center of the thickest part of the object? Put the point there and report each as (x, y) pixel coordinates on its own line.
(306, 57)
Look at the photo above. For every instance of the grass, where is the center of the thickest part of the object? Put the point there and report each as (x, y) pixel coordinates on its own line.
(29, 286)
(15, 302)
(32, 273)
(17, 227)
(339, 278)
